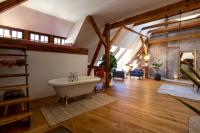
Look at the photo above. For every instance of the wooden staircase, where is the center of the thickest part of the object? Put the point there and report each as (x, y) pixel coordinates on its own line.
(20, 101)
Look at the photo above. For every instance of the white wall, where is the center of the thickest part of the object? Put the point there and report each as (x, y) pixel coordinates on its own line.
(44, 66)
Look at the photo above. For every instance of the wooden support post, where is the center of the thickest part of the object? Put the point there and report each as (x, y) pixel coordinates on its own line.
(99, 47)
(107, 55)
(95, 54)
(144, 45)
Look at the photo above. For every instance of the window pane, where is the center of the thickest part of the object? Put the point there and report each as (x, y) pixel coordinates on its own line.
(46, 38)
(19, 35)
(1, 32)
(113, 48)
(14, 34)
(36, 37)
(42, 38)
(58, 40)
(63, 41)
(55, 40)
(32, 36)
(6, 33)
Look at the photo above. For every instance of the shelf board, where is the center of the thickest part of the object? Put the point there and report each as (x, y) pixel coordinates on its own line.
(13, 118)
(13, 87)
(13, 75)
(12, 55)
(14, 101)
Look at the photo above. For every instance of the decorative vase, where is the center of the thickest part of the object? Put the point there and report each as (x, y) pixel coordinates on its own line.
(157, 76)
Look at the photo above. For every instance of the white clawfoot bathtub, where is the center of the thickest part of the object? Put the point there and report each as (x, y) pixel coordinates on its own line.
(65, 89)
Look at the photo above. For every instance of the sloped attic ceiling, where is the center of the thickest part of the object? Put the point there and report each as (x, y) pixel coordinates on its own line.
(103, 11)
(109, 10)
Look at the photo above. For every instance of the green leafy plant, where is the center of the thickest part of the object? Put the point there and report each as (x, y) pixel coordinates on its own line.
(113, 61)
(157, 65)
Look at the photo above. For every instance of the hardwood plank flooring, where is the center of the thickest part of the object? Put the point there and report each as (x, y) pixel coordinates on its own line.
(140, 110)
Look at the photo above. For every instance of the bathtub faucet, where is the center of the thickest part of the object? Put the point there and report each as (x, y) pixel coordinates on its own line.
(73, 77)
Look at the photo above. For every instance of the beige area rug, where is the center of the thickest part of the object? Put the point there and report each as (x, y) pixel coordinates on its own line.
(194, 124)
(58, 113)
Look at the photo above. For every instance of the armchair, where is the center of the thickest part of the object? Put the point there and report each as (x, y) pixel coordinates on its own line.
(137, 73)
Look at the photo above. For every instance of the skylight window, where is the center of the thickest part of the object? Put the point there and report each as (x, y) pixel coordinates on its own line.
(188, 17)
(113, 48)
(120, 52)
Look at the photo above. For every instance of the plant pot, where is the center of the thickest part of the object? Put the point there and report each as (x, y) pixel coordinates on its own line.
(157, 77)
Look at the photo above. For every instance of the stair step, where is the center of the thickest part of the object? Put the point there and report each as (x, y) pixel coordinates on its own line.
(13, 118)
(14, 101)
(13, 87)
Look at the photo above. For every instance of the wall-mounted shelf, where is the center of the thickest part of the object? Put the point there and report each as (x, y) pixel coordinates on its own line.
(13, 87)
(14, 101)
(11, 97)
(13, 118)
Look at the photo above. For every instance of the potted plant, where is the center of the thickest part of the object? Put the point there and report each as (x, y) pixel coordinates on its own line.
(113, 63)
(156, 66)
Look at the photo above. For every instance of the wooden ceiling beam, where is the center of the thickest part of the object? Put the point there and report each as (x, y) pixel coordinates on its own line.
(97, 30)
(129, 29)
(167, 23)
(169, 10)
(175, 28)
(8, 4)
(175, 38)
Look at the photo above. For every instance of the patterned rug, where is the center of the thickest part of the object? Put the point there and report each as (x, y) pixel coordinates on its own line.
(194, 123)
(58, 113)
(179, 91)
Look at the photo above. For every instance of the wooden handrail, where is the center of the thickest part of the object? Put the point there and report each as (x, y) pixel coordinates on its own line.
(38, 46)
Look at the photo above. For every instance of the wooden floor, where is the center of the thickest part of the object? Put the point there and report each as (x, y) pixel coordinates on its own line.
(140, 110)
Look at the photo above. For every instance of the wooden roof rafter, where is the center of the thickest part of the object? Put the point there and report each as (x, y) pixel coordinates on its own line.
(175, 28)
(8, 4)
(160, 13)
(174, 38)
(129, 29)
(168, 23)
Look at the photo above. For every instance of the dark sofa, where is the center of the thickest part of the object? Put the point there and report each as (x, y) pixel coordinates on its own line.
(137, 73)
(119, 74)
